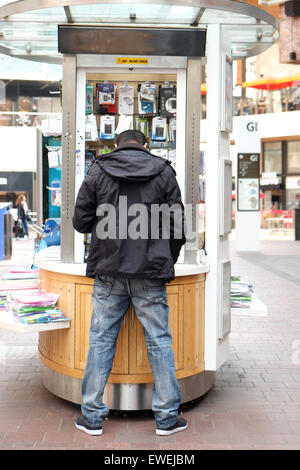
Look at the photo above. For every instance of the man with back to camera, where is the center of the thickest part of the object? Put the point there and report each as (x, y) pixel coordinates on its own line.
(128, 269)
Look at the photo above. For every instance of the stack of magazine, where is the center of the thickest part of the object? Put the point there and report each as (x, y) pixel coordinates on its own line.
(241, 293)
(17, 280)
(21, 297)
(36, 307)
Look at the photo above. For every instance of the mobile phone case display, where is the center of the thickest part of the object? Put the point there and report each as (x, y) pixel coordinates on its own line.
(148, 107)
(115, 106)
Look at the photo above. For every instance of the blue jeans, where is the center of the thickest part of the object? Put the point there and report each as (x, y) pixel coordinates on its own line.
(111, 298)
(25, 225)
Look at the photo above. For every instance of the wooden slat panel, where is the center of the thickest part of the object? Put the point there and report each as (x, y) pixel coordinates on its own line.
(175, 301)
(84, 310)
(193, 325)
(58, 345)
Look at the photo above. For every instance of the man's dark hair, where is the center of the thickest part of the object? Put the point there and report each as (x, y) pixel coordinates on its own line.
(131, 136)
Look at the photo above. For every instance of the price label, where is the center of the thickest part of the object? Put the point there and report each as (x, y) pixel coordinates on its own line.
(132, 60)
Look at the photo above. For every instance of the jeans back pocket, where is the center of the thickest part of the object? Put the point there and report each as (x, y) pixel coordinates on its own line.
(155, 290)
(102, 286)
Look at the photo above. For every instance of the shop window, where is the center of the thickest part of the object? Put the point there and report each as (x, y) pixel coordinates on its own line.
(273, 157)
(293, 199)
(293, 157)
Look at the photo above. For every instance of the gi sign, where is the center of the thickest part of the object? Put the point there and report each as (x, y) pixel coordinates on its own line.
(247, 136)
(248, 165)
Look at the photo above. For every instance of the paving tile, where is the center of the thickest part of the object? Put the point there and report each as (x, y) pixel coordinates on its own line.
(255, 403)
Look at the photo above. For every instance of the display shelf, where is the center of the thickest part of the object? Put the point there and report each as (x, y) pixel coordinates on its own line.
(8, 322)
(257, 309)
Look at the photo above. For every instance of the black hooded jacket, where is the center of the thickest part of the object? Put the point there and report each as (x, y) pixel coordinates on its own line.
(132, 172)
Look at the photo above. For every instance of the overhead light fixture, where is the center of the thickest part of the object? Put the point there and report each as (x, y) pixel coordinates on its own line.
(293, 55)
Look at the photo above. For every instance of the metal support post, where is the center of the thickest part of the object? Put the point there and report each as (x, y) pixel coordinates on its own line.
(68, 157)
(192, 166)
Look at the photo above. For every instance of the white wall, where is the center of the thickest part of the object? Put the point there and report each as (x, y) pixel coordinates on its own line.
(18, 148)
(281, 124)
(275, 124)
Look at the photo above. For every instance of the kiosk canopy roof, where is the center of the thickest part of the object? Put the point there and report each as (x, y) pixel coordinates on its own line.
(28, 28)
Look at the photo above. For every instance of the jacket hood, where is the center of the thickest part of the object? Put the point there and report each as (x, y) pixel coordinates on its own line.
(132, 162)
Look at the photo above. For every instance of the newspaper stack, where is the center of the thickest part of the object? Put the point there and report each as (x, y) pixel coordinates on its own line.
(35, 307)
(241, 293)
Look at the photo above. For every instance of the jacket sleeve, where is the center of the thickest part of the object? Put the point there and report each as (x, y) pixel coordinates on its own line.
(177, 218)
(85, 206)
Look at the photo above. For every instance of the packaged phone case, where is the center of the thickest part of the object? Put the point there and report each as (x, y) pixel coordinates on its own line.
(159, 129)
(89, 99)
(107, 127)
(167, 101)
(172, 130)
(142, 125)
(126, 100)
(147, 98)
(106, 98)
(91, 131)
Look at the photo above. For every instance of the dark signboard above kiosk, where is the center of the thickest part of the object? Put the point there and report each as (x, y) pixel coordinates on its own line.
(138, 41)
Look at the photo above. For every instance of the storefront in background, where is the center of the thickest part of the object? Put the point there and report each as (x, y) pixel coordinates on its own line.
(280, 182)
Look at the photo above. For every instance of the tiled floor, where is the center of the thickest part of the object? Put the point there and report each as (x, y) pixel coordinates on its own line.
(255, 403)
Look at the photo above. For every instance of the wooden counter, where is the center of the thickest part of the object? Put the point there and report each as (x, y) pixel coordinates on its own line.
(65, 351)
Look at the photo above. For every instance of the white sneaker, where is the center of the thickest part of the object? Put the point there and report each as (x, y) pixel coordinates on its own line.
(180, 425)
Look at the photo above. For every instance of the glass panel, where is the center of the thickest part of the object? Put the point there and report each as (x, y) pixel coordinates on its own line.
(19, 68)
(273, 157)
(222, 16)
(54, 14)
(293, 157)
(143, 13)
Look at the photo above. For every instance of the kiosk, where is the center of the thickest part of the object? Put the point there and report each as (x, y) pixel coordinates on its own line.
(158, 47)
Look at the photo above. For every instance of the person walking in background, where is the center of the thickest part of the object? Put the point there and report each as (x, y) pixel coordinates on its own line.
(22, 214)
(130, 269)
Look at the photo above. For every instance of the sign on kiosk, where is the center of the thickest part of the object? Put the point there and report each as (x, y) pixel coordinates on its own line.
(248, 182)
(248, 210)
